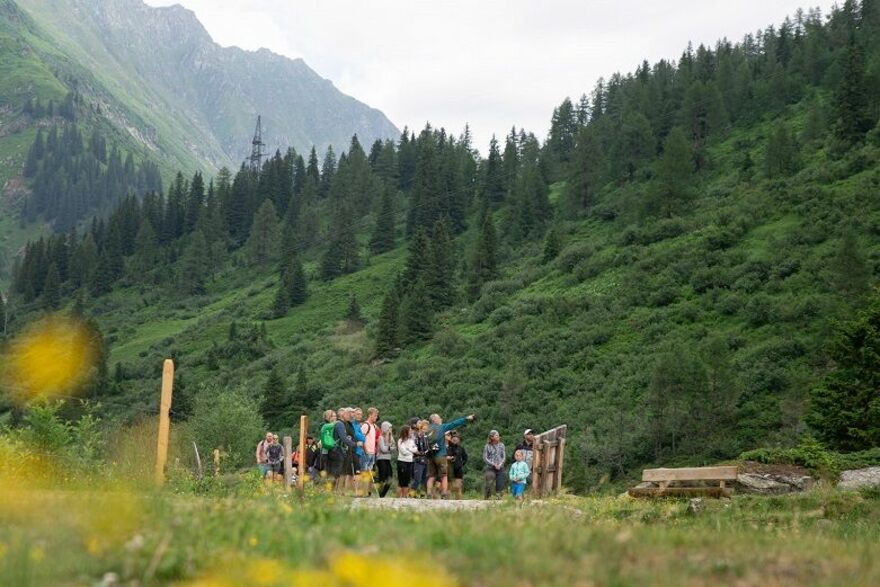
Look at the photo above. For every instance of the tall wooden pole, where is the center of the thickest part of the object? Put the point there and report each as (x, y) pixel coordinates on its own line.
(303, 425)
(164, 420)
(288, 462)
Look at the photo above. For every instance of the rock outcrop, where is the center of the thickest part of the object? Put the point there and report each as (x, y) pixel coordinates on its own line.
(860, 478)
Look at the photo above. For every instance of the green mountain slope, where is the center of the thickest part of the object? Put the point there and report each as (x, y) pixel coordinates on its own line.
(156, 85)
(669, 295)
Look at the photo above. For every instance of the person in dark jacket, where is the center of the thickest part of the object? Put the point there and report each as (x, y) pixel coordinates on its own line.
(343, 433)
(527, 446)
(458, 457)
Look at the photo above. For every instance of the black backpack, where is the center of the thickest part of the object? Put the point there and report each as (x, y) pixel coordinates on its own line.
(274, 452)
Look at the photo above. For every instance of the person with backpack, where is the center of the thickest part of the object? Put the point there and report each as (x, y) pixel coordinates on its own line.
(332, 456)
(385, 447)
(368, 456)
(344, 437)
(275, 459)
(457, 457)
(420, 458)
(437, 463)
(262, 461)
(494, 457)
(406, 449)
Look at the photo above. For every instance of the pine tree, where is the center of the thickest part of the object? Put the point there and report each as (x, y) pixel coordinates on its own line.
(586, 173)
(493, 176)
(484, 265)
(844, 406)
(440, 277)
(674, 173)
(418, 261)
(383, 239)
(263, 243)
(552, 246)
(781, 155)
(342, 257)
(416, 315)
(52, 288)
(282, 295)
(388, 329)
(276, 406)
(851, 100)
(194, 265)
(853, 273)
(146, 253)
(328, 170)
(299, 287)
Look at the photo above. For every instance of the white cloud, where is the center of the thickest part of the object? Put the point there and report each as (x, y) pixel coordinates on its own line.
(492, 63)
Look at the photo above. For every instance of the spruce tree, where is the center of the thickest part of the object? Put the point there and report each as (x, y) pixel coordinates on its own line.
(552, 246)
(844, 406)
(264, 240)
(52, 288)
(194, 265)
(276, 406)
(781, 155)
(388, 329)
(851, 100)
(342, 257)
(852, 271)
(493, 176)
(299, 287)
(383, 239)
(146, 253)
(282, 295)
(418, 261)
(483, 265)
(440, 277)
(586, 173)
(416, 315)
(674, 173)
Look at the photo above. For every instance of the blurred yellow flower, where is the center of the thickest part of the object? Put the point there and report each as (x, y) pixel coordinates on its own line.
(53, 357)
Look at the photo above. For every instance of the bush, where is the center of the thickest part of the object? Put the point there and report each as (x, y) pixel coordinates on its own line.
(572, 255)
(227, 419)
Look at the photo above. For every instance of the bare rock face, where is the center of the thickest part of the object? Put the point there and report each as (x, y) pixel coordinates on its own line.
(773, 484)
(860, 478)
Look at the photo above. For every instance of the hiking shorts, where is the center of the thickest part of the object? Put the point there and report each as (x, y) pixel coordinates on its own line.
(367, 462)
(438, 467)
(335, 460)
(517, 488)
(264, 468)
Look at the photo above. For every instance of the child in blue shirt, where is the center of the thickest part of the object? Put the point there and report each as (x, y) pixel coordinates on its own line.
(519, 473)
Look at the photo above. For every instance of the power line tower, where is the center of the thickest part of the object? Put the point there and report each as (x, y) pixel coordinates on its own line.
(257, 146)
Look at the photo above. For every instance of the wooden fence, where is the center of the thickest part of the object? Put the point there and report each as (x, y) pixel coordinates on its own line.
(548, 461)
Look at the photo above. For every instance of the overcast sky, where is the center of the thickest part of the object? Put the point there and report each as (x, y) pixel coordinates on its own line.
(490, 63)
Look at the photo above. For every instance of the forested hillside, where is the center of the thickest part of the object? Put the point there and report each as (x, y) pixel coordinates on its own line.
(664, 273)
(157, 89)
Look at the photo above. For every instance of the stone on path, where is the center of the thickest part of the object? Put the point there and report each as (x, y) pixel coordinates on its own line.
(860, 478)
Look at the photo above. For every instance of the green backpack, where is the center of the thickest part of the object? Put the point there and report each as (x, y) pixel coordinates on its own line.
(328, 442)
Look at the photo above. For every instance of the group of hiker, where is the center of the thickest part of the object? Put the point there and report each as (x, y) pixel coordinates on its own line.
(355, 455)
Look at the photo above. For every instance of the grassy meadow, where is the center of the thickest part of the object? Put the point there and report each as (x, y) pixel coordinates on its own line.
(259, 536)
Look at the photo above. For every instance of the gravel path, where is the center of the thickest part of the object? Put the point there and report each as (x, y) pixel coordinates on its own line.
(394, 503)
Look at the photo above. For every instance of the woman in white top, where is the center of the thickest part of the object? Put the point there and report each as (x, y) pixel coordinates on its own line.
(406, 447)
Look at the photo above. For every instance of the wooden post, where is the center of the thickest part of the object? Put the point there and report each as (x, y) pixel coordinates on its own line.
(216, 462)
(303, 425)
(559, 457)
(288, 465)
(536, 468)
(164, 420)
(198, 460)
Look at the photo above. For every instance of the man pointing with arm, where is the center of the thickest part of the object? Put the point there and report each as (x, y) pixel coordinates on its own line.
(437, 463)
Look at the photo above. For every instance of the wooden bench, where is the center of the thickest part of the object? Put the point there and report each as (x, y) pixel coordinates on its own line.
(689, 481)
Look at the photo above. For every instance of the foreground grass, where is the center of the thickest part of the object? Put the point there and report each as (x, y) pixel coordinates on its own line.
(77, 537)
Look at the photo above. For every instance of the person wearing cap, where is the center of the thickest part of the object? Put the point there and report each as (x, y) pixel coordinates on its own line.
(527, 446)
(494, 457)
